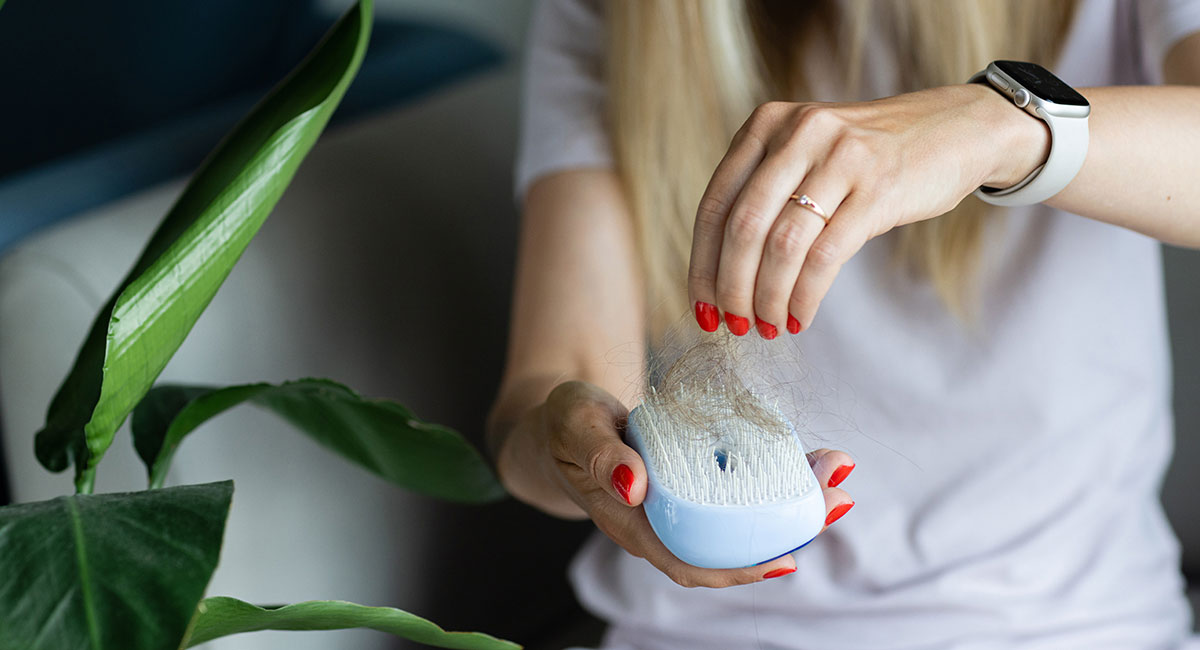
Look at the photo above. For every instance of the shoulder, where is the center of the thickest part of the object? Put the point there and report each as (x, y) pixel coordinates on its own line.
(562, 114)
(568, 25)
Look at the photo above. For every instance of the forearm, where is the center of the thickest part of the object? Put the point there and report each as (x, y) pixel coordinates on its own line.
(577, 316)
(1143, 163)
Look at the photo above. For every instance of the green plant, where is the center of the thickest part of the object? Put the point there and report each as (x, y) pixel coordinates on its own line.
(129, 571)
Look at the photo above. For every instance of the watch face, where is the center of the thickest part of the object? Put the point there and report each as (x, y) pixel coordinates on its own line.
(1041, 82)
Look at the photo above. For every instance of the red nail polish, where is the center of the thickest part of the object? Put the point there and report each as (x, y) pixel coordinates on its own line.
(765, 329)
(840, 475)
(793, 325)
(737, 324)
(775, 573)
(837, 512)
(622, 480)
(707, 317)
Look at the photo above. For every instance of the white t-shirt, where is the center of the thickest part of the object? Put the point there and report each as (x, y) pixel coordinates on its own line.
(1008, 476)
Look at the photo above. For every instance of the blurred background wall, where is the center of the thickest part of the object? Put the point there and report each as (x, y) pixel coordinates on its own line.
(387, 266)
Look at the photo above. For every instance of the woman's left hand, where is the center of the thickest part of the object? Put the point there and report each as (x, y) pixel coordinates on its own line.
(871, 166)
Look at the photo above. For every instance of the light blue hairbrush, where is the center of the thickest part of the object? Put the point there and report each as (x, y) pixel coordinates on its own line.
(724, 491)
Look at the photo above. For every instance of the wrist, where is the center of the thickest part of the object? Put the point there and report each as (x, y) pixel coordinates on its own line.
(1017, 142)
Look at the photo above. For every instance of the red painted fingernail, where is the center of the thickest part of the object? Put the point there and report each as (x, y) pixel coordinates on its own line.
(775, 573)
(622, 480)
(707, 317)
(840, 475)
(737, 324)
(765, 329)
(837, 512)
(793, 325)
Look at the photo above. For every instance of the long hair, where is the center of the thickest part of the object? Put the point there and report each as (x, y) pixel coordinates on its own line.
(684, 74)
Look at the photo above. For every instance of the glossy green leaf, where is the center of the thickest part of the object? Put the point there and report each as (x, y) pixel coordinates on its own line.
(382, 436)
(111, 571)
(193, 250)
(218, 617)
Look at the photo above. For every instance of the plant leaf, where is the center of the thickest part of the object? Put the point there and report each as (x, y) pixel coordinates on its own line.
(218, 617)
(382, 436)
(193, 250)
(111, 571)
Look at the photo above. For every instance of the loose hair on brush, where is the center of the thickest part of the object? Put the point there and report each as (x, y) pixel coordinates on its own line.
(704, 383)
(723, 420)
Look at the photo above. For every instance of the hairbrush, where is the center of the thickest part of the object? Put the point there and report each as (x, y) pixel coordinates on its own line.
(723, 490)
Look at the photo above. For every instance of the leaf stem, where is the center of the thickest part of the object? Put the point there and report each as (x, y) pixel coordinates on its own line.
(85, 481)
(158, 476)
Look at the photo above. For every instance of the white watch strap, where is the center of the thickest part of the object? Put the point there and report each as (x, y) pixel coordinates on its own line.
(1068, 148)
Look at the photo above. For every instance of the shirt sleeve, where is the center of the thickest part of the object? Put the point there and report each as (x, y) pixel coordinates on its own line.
(1162, 24)
(562, 112)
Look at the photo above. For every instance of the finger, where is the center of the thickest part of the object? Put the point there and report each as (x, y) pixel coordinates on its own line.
(844, 235)
(588, 445)
(816, 455)
(837, 504)
(831, 467)
(744, 155)
(631, 530)
(789, 240)
(750, 219)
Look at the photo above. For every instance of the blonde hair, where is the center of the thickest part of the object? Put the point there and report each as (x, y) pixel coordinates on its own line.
(684, 74)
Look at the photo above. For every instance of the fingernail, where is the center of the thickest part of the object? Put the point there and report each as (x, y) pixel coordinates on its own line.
(622, 480)
(840, 475)
(706, 316)
(837, 512)
(775, 573)
(793, 325)
(737, 324)
(765, 329)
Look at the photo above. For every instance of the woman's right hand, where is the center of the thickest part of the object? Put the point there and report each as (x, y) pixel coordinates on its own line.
(567, 458)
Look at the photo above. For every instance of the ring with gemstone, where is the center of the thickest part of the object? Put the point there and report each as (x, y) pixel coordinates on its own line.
(804, 201)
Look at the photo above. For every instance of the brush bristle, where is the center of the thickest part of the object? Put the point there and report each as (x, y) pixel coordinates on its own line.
(737, 462)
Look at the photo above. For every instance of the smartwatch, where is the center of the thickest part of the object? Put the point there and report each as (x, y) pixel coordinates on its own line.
(1048, 98)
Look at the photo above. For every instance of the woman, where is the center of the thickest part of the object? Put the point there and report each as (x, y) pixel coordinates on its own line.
(1008, 366)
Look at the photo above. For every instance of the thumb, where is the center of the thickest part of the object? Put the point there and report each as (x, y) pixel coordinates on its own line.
(628, 480)
(616, 467)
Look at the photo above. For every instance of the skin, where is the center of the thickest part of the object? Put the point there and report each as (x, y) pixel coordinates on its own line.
(877, 165)
(556, 424)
